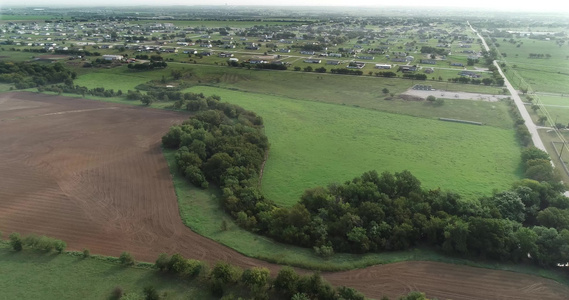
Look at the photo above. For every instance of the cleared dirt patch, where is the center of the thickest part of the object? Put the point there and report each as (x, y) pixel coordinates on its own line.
(421, 94)
(92, 174)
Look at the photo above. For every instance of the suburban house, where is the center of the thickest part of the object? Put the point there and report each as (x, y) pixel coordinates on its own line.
(382, 66)
(469, 74)
(333, 62)
(356, 65)
(408, 68)
(112, 57)
(312, 61)
(429, 61)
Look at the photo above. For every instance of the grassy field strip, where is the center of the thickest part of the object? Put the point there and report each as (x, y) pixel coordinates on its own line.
(36, 275)
(315, 144)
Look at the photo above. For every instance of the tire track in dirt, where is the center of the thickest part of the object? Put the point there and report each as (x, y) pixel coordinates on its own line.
(97, 179)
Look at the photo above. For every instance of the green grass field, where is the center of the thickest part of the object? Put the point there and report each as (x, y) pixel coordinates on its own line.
(37, 275)
(314, 144)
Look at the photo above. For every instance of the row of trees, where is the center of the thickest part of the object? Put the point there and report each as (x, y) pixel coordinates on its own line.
(373, 212)
(485, 81)
(148, 66)
(81, 90)
(28, 75)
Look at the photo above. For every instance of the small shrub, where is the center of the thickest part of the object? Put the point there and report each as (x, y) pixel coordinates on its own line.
(150, 293)
(324, 251)
(126, 259)
(224, 226)
(162, 262)
(117, 293)
(86, 253)
(60, 246)
(16, 241)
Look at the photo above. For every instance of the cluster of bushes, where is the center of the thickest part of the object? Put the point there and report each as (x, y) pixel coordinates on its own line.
(28, 75)
(223, 144)
(346, 71)
(430, 49)
(372, 212)
(32, 241)
(387, 74)
(189, 101)
(148, 66)
(255, 282)
(66, 52)
(522, 132)
(415, 76)
(485, 81)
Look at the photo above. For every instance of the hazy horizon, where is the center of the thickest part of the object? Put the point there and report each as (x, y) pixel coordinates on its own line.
(542, 6)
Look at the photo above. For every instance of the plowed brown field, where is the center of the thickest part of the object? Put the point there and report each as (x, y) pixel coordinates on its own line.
(92, 174)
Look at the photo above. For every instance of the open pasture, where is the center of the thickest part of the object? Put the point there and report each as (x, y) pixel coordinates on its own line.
(314, 144)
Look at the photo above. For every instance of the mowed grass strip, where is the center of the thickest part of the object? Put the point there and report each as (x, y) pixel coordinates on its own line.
(37, 275)
(315, 144)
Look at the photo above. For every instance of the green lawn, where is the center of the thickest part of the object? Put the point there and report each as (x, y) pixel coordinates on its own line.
(36, 275)
(314, 144)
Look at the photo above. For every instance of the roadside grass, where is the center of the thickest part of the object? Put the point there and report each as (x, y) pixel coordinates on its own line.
(37, 275)
(544, 75)
(315, 144)
(201, 211)
(548, 137)
(559, 109)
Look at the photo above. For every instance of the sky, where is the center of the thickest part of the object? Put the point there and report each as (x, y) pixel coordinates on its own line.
(543, 5)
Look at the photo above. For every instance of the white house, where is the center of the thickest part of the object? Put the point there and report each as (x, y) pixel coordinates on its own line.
(112, 57)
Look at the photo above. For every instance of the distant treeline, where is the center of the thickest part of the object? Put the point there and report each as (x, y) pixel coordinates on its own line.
(225, 145)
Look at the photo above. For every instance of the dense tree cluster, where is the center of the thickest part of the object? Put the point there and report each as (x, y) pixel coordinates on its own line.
(434, 50)
(28, 75)
(224, 144)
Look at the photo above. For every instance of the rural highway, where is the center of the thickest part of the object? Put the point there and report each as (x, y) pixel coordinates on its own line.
(537, 142)
(536, 139)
